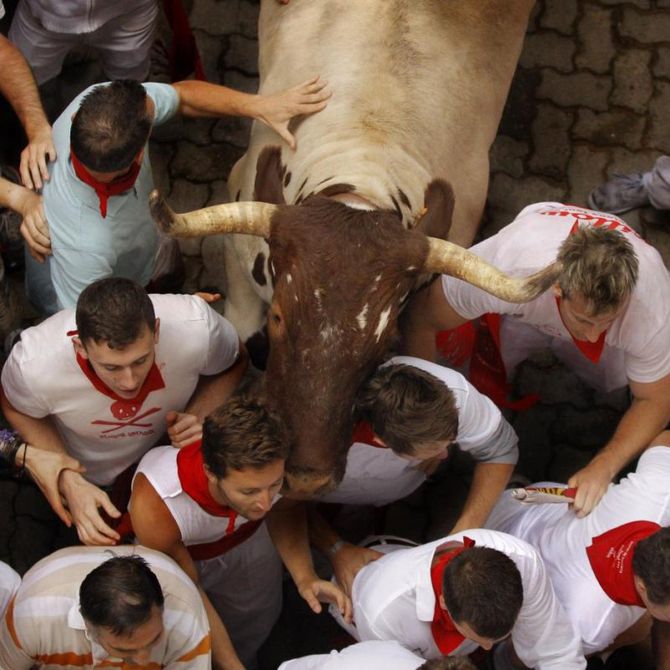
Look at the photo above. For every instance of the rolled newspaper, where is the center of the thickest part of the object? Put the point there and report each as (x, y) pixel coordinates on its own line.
(544, 494)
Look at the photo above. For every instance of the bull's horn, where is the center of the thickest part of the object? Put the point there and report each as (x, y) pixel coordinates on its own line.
(251, 218)
(447, 258)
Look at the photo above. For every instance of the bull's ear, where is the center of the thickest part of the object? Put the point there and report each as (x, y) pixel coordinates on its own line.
(269, 177)
(439, 205)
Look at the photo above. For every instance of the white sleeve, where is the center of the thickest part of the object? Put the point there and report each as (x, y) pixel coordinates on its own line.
(312, 662)
(543, 635)
(223, 348)
(18, 387)
(483, 431)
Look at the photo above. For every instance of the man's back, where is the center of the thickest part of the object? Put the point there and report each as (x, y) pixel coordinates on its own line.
(561, 538)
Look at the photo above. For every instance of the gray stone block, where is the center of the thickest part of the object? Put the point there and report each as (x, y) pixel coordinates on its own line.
(551, 141)
(160, 155)
(596, 47)
(661, 66)
(585, 171)
(242, 55)
(581, 89)
(507, 155)
(615, 127)
(659, 128)
(633, 85)
(559, 15)
(233, 130)
(645, 27)
(548, 49)
(203, 164)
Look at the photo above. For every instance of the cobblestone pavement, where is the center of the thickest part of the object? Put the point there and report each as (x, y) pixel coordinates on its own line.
(590, 98)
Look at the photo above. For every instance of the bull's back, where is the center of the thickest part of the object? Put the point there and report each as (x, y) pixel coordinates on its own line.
(418, 85)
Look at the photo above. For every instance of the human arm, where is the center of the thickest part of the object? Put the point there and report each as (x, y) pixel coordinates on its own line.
(287, 525)
(488, 482)
(645, 418)
(34, 226)
(346, 558)
(57, 473)
(155, 527)
(199, 98)
(17, 84)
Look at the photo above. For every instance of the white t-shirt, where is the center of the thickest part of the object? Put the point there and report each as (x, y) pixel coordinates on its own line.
(393, 599)
(377, 476)
(43, 378)
(561, 539)
(370, 655)
(531, 242)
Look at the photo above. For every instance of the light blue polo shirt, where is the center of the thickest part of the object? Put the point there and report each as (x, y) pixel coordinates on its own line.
(85, 246)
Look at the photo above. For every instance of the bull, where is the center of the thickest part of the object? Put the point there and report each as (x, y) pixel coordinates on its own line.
(339, 232)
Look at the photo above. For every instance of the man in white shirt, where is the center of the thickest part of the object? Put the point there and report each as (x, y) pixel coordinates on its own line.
(608, 317)
(605, 602)
(469, 589)
(104, 386)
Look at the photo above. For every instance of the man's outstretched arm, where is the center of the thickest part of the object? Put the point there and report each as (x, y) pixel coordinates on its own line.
(199, 98)
(645, 418)
(18, 86)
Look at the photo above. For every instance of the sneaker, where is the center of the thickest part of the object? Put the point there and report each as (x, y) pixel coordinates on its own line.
(621, 193)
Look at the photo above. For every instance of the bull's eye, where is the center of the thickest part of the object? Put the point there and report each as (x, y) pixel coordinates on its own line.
(276, 318)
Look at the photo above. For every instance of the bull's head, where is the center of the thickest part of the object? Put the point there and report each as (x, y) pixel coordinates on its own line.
(340, 278)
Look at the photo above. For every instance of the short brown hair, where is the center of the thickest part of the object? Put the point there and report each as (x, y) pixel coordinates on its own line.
(601, 265)
(407, 406)
(242, 433)
(448, 663)
(114, 310)
(482, 588)
(651, 563)
(111, 126)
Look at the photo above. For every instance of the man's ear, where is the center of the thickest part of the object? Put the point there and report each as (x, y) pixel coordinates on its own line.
(640, 587)
(442, 603)
(79, 347)
(211, 477)
(157, 328)
(378, 440)
(557, 290)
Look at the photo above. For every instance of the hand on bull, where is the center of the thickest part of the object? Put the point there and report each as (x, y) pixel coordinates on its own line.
(33, 166)
(34, 227)
(314, 591)
(277, 109)
(183, 429)
(84, 501)
(348, 560)
(45, 468)
(591, 483)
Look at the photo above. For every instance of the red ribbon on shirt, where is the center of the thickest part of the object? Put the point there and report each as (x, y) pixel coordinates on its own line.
(446, 637)
(105, 191)
(479, 341)
(611, 559)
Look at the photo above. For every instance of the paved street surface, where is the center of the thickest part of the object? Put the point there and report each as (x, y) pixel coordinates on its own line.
(590, 98)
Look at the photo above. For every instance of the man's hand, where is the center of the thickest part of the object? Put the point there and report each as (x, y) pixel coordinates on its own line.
(183, 429)
(348, 560)
(277, 109)
(209, 298)
(45, 468)
(315, 591)
(84, 500)
(34, 227)
(591, 483)
(33, 167)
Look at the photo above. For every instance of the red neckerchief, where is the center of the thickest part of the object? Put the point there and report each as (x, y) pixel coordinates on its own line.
(191, 471)
(122, 408)
(105, 191)
(611, 559)
(363, 433)
(592, 350)
(446, 637)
